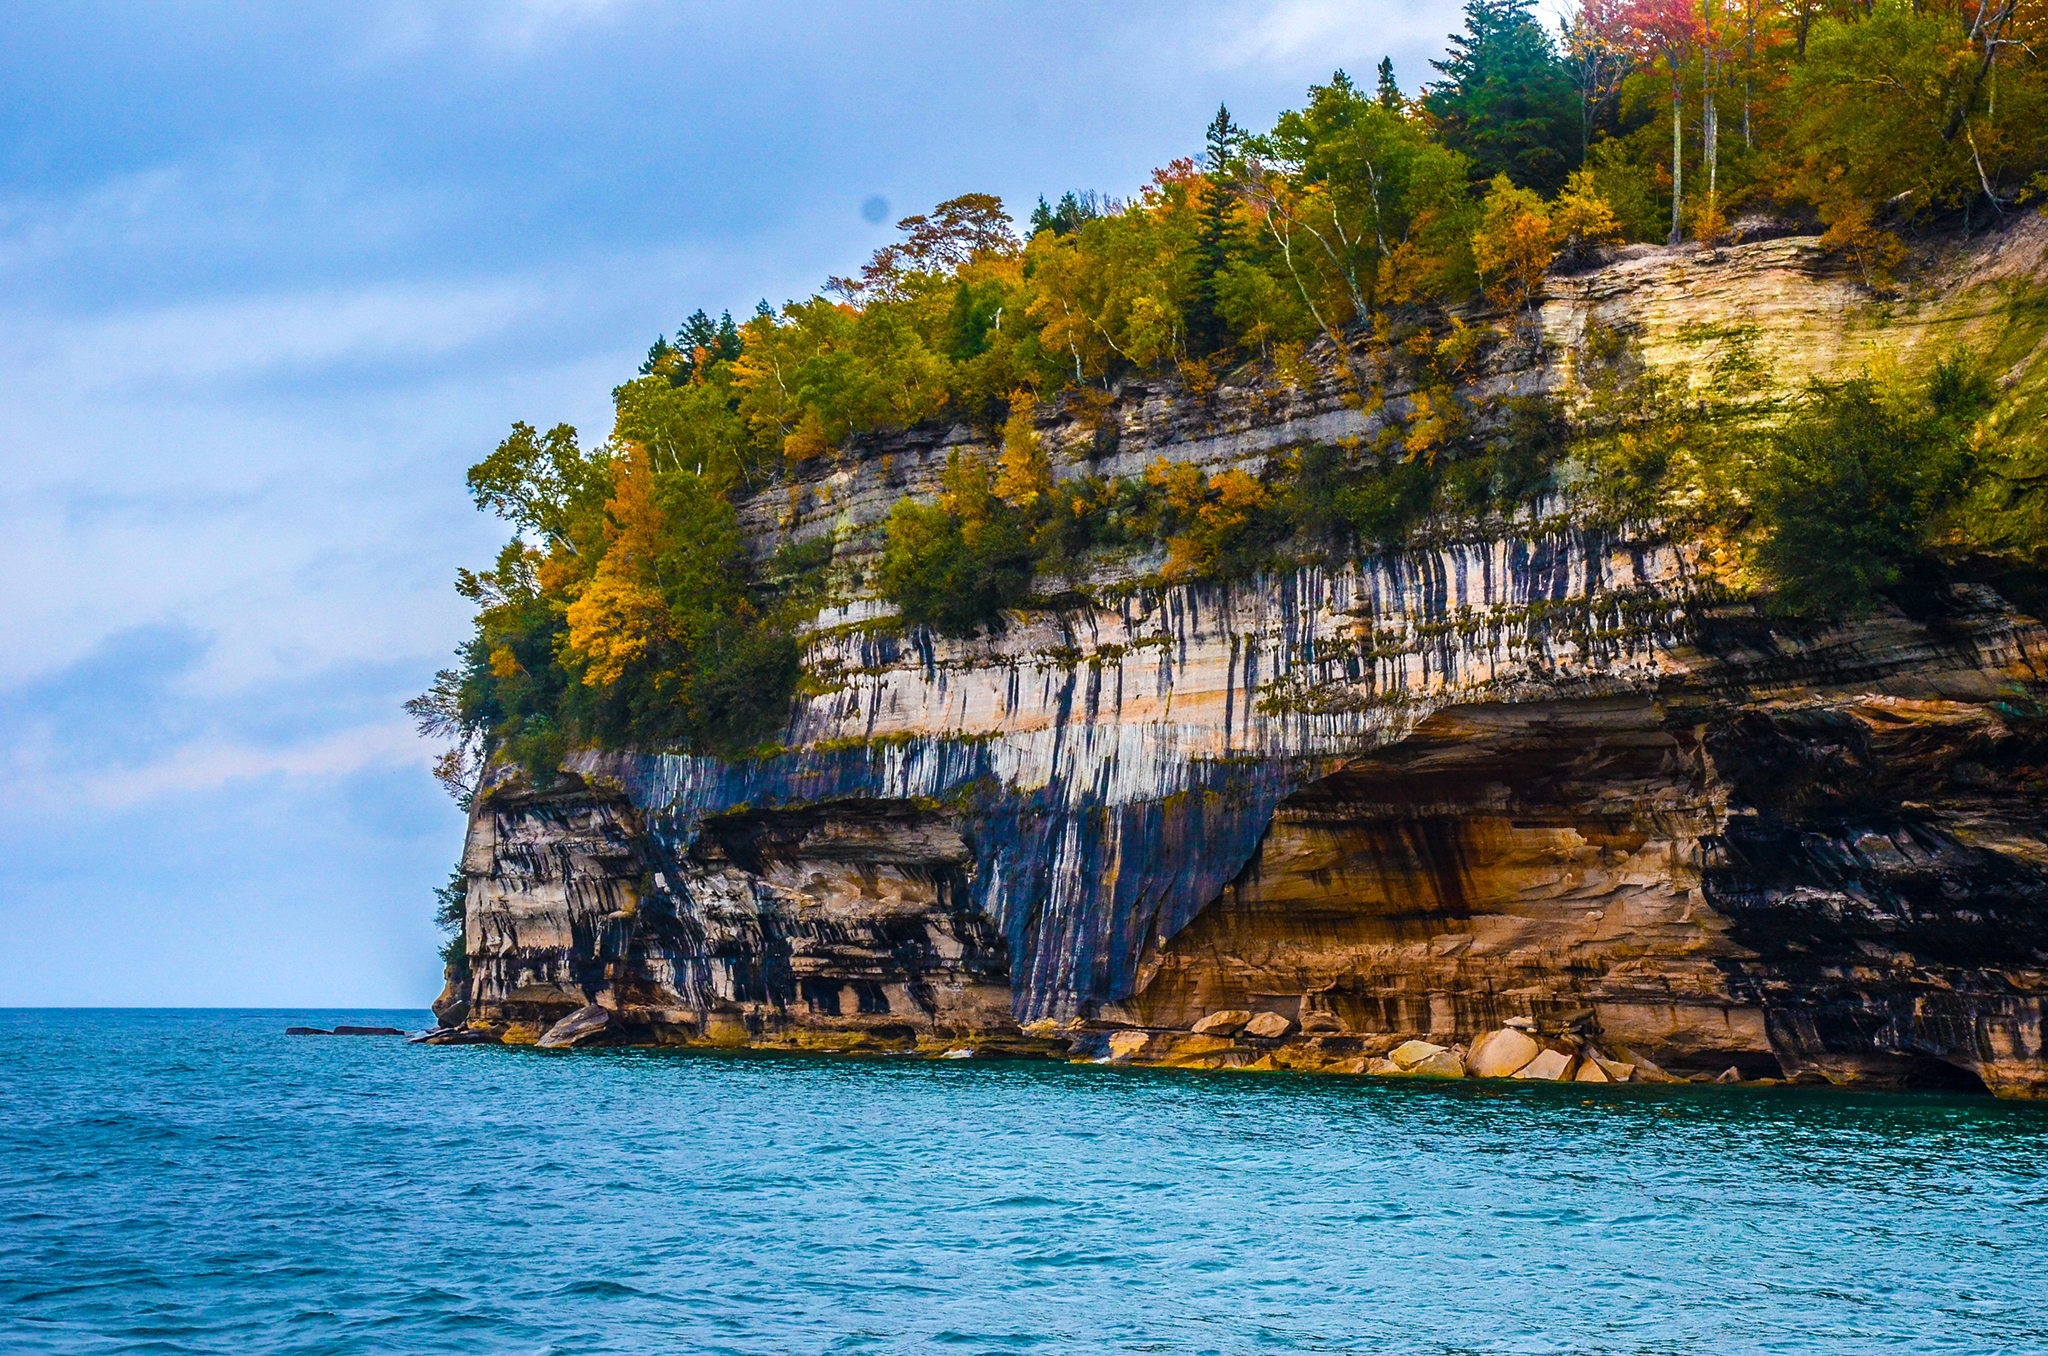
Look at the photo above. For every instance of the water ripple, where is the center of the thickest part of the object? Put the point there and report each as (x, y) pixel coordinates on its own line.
(198, 1182)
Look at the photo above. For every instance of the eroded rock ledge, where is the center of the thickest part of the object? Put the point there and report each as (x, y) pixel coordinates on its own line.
(1531, 774)
(1711, 846)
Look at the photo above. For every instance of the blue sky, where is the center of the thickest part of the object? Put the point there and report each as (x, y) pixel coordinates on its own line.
(272, 275)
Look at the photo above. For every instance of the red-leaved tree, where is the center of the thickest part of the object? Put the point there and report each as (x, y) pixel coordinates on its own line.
(1668, 31)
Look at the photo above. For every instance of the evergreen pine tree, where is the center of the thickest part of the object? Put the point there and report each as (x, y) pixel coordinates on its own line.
(1389, 92)
(727, 344)
(660, 350)
(1506, 100)
(695, 333)
(1206, 330)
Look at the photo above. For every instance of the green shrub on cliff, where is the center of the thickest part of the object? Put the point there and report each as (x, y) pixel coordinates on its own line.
(995, 530)
(956, 565)
(627, 612)
(450, 913)
(1849, 494)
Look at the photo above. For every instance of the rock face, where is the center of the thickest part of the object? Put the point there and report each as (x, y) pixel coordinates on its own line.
(1531, 771)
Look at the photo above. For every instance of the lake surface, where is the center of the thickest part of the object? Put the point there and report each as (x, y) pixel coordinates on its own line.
(200, 1182)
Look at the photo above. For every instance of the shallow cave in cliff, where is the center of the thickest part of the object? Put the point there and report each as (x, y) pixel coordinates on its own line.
(1927, 1074)
(1502, 862)
(1562, 864)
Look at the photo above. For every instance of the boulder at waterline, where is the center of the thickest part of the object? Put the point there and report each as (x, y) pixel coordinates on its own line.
(592, 1025)
(1549, 1065)
(1419, 1059)
(1612, 1070)
(1226, 1023)
(1498, 1054)
(1408, 1054)
(1123, 1045)
(1442, 1064)
(1268, 1026)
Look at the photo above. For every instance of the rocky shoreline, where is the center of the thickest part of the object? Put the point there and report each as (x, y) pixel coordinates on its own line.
(1226, 1041)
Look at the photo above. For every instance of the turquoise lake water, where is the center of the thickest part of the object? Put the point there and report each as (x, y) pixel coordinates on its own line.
(200, 1182)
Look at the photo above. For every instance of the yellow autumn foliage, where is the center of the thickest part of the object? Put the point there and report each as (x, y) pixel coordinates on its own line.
(1023, 473)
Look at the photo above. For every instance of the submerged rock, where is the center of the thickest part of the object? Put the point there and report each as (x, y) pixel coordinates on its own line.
(1196, 1052)
(368, 1031)
(307, 1031)
(454, 1035)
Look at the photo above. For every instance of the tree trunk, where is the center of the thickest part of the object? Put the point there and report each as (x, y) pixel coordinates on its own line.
(1677, 155)
(1749, 77)
(1988, 29)
(1710, 112)
(1710, 134)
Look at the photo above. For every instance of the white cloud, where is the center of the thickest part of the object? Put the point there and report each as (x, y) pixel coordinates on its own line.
(245, 337)
(209, 466)
(240, 199)
(212, 762)
(1320, 35)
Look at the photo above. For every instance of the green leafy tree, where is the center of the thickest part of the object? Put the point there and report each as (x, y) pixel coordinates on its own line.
(956, 565)
(1910, 109)
(543, 483)
(1355, 201)
(450, 909)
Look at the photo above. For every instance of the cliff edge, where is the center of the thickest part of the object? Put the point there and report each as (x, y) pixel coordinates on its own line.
(1538, 769)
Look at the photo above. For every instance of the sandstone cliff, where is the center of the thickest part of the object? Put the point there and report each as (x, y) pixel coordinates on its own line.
(1538, 769)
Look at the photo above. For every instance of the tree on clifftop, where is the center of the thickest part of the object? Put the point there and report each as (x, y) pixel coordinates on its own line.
(1505, 100)
(1207, 332)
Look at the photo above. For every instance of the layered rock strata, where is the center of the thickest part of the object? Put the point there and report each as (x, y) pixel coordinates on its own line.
(1533, 770)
